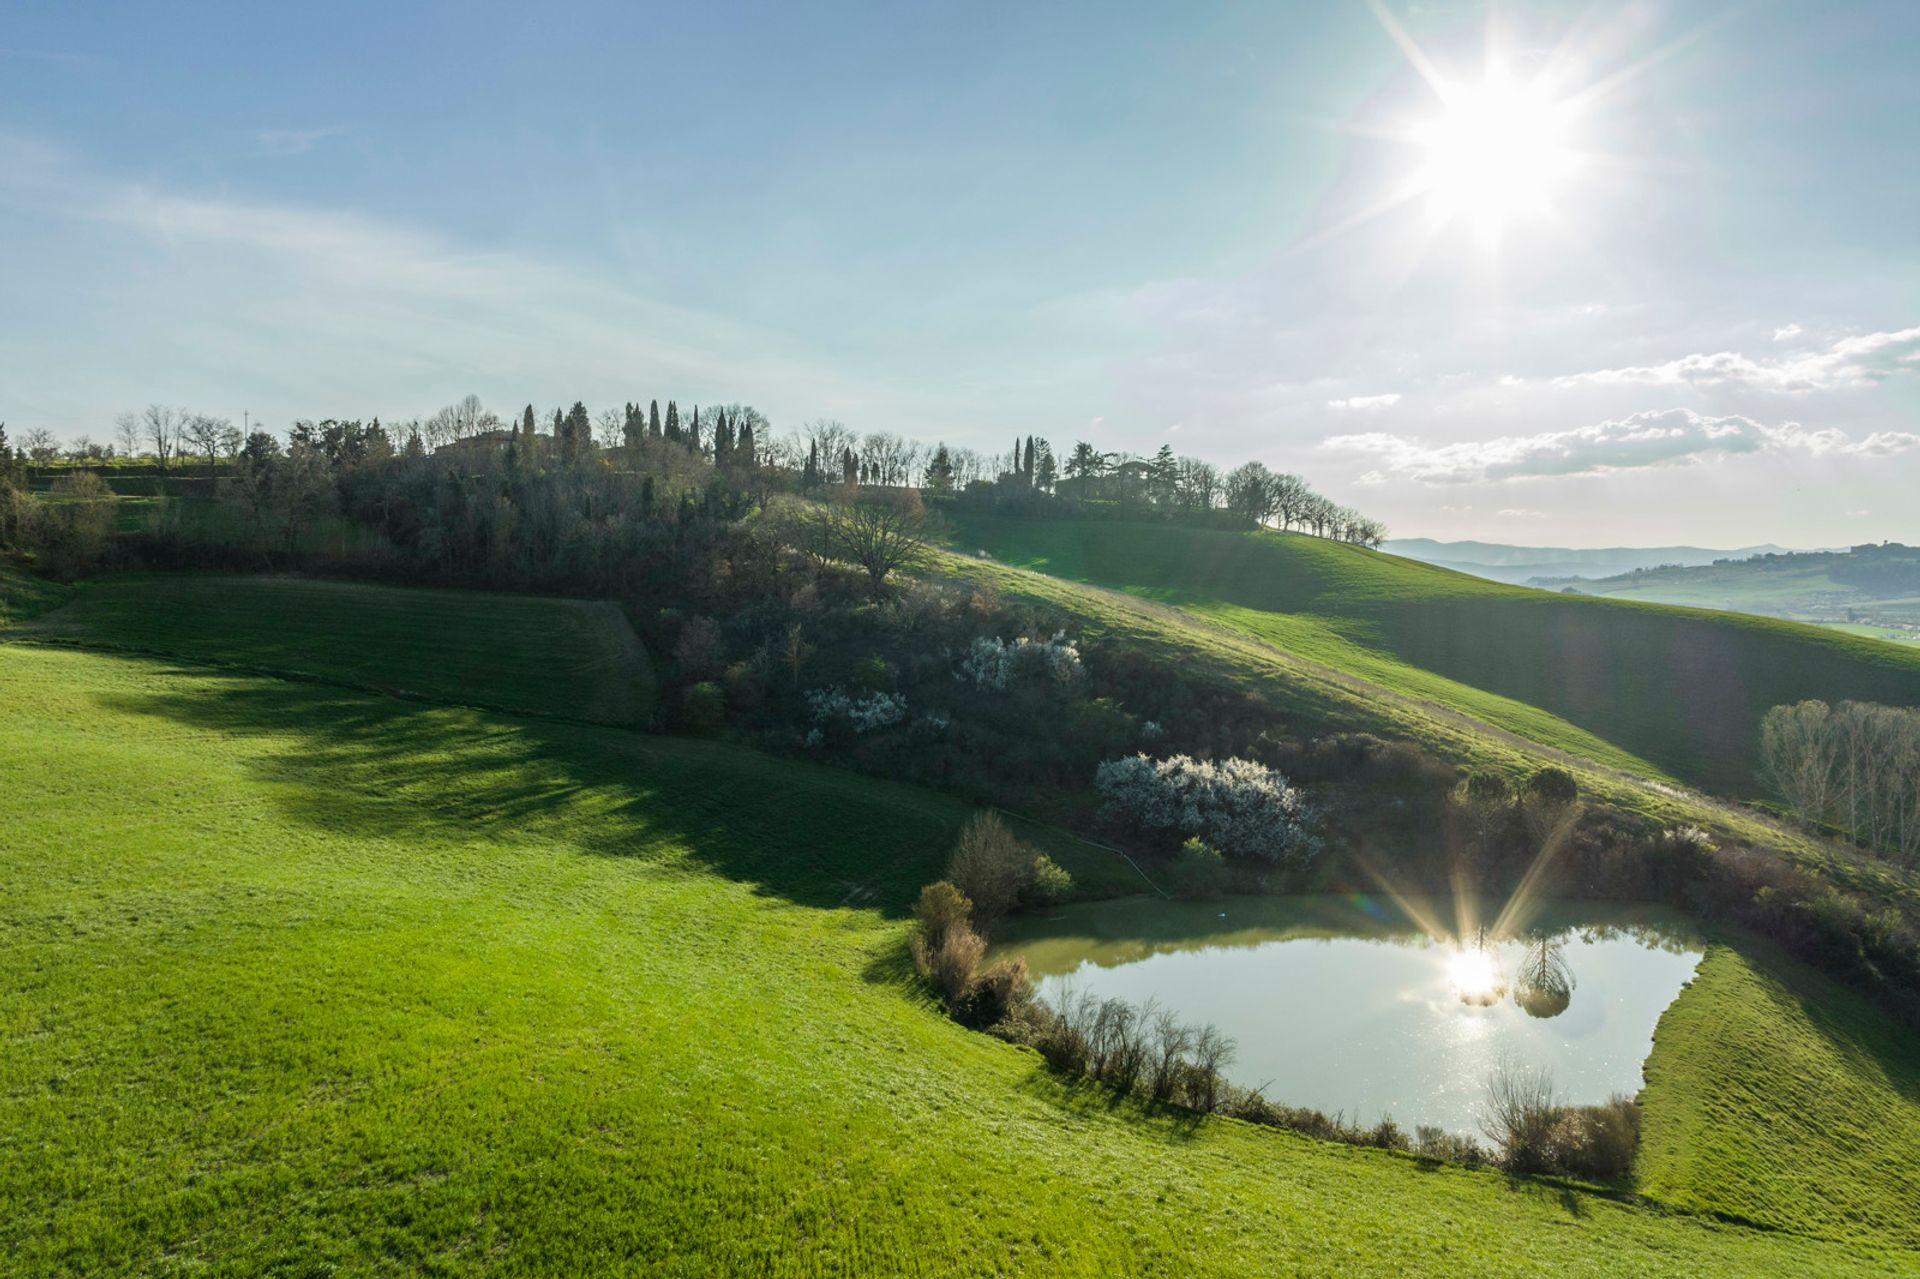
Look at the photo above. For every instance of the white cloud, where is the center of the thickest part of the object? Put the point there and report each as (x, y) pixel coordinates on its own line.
(1364, 402)
(1520, 513)
(1854, 361)
(1786, 331)
(285, 142)
(1661, 438)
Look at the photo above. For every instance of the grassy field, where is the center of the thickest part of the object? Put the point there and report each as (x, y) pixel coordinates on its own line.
(1628, 685)
(1890, 634)
(1776, 1097)
(570, 658)
(296, 979)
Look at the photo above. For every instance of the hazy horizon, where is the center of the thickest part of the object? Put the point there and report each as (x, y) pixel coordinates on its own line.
(1671, 299)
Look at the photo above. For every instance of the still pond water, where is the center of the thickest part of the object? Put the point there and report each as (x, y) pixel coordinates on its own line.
(1347, 1005)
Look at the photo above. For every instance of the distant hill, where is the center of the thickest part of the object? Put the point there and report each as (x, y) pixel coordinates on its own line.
(1873, 589)
(1519, 565)
(1682, 689)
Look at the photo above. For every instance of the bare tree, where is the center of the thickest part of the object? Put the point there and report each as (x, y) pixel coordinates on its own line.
(1797, 750)
(161, 426)
(610, 428)
(39, 444)
(205, 434)
(829, 439)
(879, 531)
(127, 432)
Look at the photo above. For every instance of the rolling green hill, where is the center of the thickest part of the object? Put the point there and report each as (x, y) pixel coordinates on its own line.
(1628, 685)
(300, 979)
(571, 658)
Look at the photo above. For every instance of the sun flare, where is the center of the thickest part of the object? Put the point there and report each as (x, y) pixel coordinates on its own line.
(1475, 974)
(1496, 153)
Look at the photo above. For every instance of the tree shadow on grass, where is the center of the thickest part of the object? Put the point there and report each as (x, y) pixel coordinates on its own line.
(1084, 1098)
(361, 765)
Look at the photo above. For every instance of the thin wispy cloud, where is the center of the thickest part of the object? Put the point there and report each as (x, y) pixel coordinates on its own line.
(287, 142)
(1853, 361)
(1364, 402)
(409, 305)
(1656, 439)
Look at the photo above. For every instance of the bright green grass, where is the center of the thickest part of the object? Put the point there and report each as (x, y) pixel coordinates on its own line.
(516, 652)
(1774, 1096)
(299, 980)
(24, 596)
(1681, 689)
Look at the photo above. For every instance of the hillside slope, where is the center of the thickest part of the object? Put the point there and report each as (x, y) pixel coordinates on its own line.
(1681, 689)
(326, 981)
(577, 659)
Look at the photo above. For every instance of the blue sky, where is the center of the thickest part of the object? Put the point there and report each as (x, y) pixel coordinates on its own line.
(1087, 221)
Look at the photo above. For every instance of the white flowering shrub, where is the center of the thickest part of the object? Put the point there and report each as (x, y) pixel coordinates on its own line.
(863, 713)
(1240, 807)
(991, 663)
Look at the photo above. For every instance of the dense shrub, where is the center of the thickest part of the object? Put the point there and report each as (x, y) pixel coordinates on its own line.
(704, 708)
(996, 996)
(1049, 882)
(952, 962)
(990, 866)
(1198, 871)
(941, 908)
(1240, 807)
(1599, 1142)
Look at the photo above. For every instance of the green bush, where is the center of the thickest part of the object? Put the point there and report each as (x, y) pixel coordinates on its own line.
(705, 708)
(1048, 883)
(1199, 871)
(941, 909)
(873, 674)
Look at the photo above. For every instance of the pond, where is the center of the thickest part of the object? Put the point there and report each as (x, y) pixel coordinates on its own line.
(1367, 1007)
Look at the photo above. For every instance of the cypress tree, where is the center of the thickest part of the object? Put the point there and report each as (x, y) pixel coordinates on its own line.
(693, 431)
(1028, 468)
(673, 422)
(744, 452)
(653, 419)
(810, 474)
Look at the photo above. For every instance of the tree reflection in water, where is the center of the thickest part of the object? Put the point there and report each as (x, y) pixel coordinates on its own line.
(1543, 985)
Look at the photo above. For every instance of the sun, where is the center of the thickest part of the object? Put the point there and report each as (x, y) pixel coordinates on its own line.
(1497, 153)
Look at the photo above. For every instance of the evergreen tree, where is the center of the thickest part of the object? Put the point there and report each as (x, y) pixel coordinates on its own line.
(633, 427)
(673, 422)
(1164, 474)
(745, 452)
(722, 441)
(1046, 470)
(940, 471)
(849, 467)
(578, 443)
(693, 431)
(653, 419)
(1028, 468)
(810, 474)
